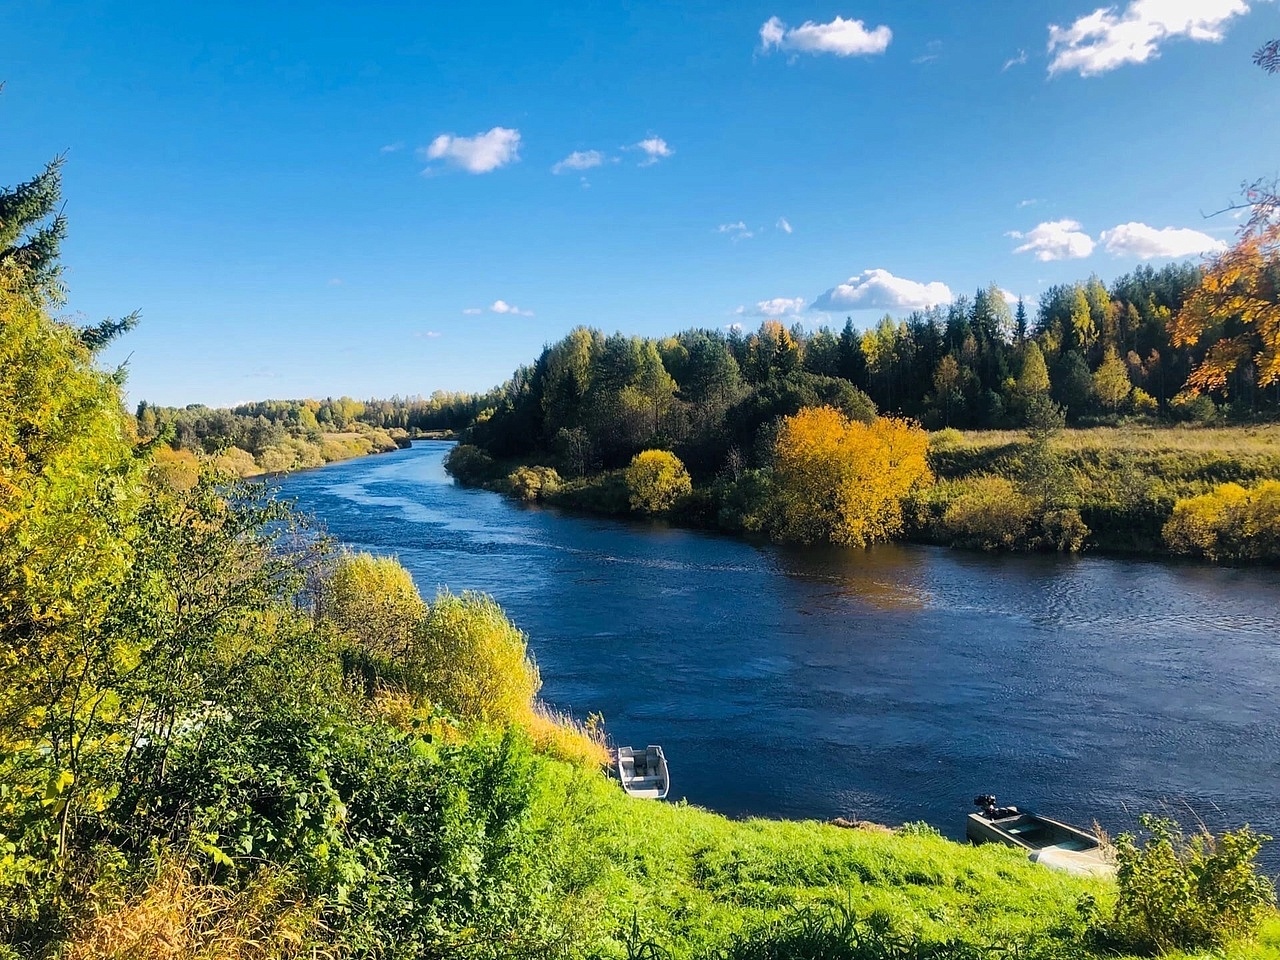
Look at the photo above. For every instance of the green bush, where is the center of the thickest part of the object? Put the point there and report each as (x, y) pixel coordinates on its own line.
(1191, 893)
(427, 847)
(1063, 530)
(470, 466)
(989, 513)
(1193, 408)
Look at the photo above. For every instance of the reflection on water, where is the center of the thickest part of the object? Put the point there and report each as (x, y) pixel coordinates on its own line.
(892, 684)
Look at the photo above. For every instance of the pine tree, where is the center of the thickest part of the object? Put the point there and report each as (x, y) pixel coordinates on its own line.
(1020, 323)
(31, 231)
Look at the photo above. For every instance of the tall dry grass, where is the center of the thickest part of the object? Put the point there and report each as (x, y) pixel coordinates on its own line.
(180, 916)
(1260, 440)
(564, 737)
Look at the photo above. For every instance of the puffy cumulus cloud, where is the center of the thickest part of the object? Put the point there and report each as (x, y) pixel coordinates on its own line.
(1109, 38)
(844, 38)
(483, 153)
(501, 306)
(1056, 240)
(654, 149)
(579, 160)
(1147, 243)
(780, 307)
(881, 290)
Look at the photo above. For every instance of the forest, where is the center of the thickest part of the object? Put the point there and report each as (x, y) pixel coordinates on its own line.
(1061, 403)
(276, 436)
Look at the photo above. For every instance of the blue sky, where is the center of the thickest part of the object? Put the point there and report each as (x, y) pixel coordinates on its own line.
(313, 199)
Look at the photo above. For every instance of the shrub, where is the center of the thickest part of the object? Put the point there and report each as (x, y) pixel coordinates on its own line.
(1143, 403)
(474, 663)
(1063, 530)
(656, 480)
(1231, 523)
(1193, 408)
(844, 481)
(1191, 894)
(744, 504)
(533, 483)
(948, 436)
(990, 513)
(374, 601)
(469, 465)
(426, 847)
(236, 463)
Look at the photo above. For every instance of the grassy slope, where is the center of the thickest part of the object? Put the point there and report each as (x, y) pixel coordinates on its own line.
(691, 879)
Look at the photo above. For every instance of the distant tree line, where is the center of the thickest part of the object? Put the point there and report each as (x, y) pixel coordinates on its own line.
(714, 397)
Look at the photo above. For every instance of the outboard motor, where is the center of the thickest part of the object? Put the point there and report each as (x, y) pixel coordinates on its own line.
(986, 805)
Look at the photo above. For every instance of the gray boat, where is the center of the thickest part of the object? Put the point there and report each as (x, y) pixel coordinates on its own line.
(643, 772)
(1048, 842)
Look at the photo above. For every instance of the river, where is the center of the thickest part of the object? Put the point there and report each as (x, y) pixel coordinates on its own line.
(890, 684)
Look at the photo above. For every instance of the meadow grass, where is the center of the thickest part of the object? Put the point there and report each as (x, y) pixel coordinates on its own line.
(689, 881)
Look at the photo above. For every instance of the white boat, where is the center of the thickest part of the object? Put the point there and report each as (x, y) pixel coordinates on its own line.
(644, 773)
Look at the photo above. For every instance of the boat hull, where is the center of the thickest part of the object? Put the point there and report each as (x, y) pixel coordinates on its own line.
(643, 773)
(1050, 843)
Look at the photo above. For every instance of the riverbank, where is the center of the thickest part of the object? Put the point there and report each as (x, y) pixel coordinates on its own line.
(1116, 487)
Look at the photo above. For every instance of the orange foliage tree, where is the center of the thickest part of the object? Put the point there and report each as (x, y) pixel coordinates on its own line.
(1236, 308)
(843, 481)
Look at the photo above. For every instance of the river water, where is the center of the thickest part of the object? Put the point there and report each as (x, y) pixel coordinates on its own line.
(892, 684)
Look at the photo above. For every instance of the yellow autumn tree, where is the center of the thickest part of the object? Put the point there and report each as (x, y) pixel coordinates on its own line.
(656, 480)
(1236, 309)
(843, 481)
(475, 662)
(374, 601)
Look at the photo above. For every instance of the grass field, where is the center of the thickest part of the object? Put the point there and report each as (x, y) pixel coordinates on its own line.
(687, 881)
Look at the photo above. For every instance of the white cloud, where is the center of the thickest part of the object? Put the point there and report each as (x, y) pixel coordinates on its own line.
(1146, 243)
(1027, 203)
(473, 311)
(655, 149)
(736, 231)
(392, 147)
(1055, 240)
(1108, 38)
(1017, 61)
(844, 38)
(784, 225)
(881, 290)
(501, 306)
(483, 153)
(579, 160)
(779, 307)
(429, 335)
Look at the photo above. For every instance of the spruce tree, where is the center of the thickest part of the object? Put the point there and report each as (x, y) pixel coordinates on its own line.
(32, 229)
